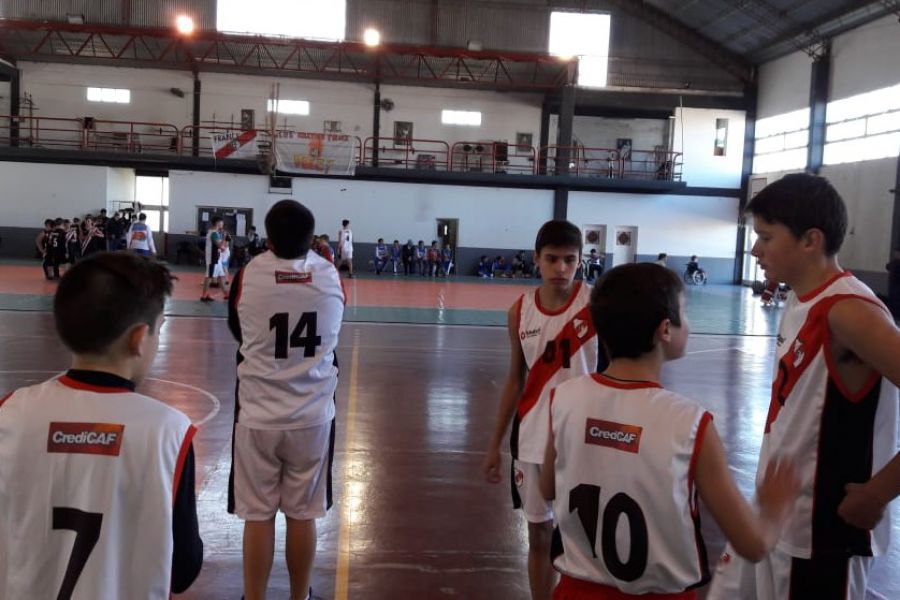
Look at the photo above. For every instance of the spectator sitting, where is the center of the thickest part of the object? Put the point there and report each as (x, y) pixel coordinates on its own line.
(596, 262)
(434, 259)
(484, 267)
(421, 259)
(519, 266)
(381, 256)
(500, 267)
(408, 253)
(396, 255)
(693, 265)
(661, 259)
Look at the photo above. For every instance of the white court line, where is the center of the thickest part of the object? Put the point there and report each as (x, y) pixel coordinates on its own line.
(713, 350)
(216, 405)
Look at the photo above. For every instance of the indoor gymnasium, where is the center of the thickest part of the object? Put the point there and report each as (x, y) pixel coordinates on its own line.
(475, 178)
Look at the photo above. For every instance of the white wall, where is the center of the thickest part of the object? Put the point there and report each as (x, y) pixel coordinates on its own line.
(600, 132)
(677, 225)
(119, 188)
(695, 136)
(866, 58)
(489, 217)
(33, 192)
(784, 85)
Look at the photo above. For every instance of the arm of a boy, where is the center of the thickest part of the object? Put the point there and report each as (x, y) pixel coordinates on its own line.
(187, 553)
(547, 481)
(750, 535)
(867, 331)
(508, 398)
(234, 322)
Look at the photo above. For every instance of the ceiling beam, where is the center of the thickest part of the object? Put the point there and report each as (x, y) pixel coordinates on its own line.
(709, 49)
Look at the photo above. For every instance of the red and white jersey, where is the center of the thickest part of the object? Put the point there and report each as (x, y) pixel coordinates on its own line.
(88, 477)
(140, 237)
(557, 345)
(290, 313)
(836, 436)
(626, 506)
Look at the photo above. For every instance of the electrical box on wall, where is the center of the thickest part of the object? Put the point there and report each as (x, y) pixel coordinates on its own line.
(279, 184)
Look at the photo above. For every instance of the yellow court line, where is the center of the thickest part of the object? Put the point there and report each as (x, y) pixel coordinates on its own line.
(342, 574)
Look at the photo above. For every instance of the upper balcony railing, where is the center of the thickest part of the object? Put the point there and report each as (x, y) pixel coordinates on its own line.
(227, 142)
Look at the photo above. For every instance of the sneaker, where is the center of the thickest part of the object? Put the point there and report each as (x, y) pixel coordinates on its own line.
(206, 299)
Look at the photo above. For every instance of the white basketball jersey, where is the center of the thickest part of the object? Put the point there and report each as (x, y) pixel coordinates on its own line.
(626, 506)
(557, 346)
(836, 436)
(290, 313)
(87, 482)
(140, 237)
(345, 239)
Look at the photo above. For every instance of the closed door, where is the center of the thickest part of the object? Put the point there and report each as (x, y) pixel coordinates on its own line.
(625, 246)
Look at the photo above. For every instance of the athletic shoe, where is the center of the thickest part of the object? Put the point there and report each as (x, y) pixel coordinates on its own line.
(206, 299)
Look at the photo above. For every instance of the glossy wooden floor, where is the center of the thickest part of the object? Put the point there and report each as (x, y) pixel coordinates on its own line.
(413, 518)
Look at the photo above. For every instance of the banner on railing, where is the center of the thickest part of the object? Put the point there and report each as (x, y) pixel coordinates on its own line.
(321, 153)
(234, 144)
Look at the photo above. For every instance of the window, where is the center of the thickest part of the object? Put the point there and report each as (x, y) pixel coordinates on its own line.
(153, 195)
(289, 107)
(312, 19)
(461, 117)
(585, 35)
(118, 96)
(721, 137)
(863, 127)
(782, 142)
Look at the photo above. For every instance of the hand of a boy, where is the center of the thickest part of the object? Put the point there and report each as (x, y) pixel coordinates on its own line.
(779, 488)
(860, 507)
(491, 467)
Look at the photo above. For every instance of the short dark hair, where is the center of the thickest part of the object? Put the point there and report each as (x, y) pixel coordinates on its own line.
(103, 295)
(345, 222)
(558, 232)
(380, 240)
(801, 202)
(661, 256)
(214, 220)
(102, 211)
(629, 303)
(142, 217)
(290, 227)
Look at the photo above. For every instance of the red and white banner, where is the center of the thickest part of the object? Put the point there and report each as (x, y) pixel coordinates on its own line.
(234, 144)
(320, 153)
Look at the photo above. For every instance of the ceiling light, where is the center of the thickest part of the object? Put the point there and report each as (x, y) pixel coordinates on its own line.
(184, 25)
(371, 37)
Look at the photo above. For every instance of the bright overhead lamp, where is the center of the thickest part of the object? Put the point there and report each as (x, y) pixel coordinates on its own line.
(184, 24)
(371, 37)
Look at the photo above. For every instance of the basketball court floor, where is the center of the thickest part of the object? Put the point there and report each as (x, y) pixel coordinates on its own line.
(422, 365)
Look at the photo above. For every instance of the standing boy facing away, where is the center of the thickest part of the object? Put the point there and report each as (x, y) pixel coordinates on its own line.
(552, 339)
(624, 448)
(833, 406)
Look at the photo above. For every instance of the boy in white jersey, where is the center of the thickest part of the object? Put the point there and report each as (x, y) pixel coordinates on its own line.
(345, 247)
(833, 405)
(97, 481)
(285, 311)
(623, 448)
(139, 237)
(215, 243)
(551, 339)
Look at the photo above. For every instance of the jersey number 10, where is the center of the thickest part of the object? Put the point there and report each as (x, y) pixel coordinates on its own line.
(306, 325)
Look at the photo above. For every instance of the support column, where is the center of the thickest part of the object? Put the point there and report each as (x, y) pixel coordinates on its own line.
(543, 137)
(376, 123)
(195, 140)
(15, 94)
(566, 118)
(818, 101)
(750, 94)
(561, 203)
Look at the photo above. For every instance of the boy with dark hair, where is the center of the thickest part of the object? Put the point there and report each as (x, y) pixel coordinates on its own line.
(409, 258)
(285, 311)
(381, 256)
(84, 457)
(620, 444)
(56, 247)
(215, 242)
(139, 238)
(833, 406)
(551, 340)
(345, 247)
(40, 243)
(396, 255)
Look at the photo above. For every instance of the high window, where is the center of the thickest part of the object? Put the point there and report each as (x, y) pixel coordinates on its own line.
(863, 127)
(782, 142)
(585, 36)
(461, 117)
(289, 107)
(311, 19)
(115, 95)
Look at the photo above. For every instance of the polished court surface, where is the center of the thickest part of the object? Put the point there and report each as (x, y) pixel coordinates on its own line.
(413, 518)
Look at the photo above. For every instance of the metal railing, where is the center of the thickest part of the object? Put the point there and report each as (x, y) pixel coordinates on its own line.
(492, 157)
(89, 134)
(424, 155)
(610, 163)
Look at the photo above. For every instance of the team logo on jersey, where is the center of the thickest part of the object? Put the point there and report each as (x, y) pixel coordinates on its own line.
(85, 438)
(581, 327)
(779, 341)
(292, 277)
(529, 333)
(799, 353)
(613, 435)
(519, 477)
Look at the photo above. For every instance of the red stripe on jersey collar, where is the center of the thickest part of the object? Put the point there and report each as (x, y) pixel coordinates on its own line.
(5, 398)
(812, 294)
(623, 384)
(96, 381)
(559, 311)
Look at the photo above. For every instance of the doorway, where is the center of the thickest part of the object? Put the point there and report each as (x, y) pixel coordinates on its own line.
(447, 232)
(625, 247)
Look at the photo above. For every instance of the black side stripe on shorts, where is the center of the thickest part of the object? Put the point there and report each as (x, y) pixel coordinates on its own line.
(823, 578)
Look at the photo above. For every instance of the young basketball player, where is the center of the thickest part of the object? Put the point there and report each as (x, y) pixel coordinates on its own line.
(139, 238)
(833, 407)
(96, 480)
(345, 247)
(623, 448)
(285, 311)
(551, 340)
(215, 240)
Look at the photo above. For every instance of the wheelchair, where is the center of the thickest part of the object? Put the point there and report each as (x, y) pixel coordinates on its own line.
(695, 277)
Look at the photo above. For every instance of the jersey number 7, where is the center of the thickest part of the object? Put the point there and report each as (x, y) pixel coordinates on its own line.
(87, 531)
(306, 325)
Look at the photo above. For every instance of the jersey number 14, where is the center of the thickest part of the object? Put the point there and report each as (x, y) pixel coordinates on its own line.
(303, 336)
